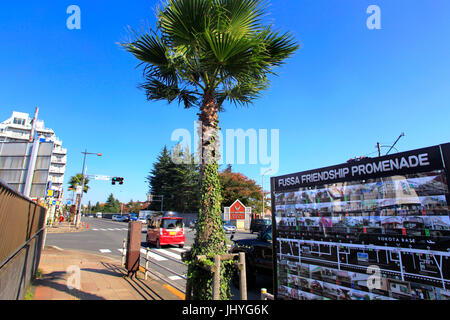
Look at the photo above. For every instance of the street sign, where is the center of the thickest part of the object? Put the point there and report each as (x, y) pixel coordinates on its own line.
(101, 177)
(50, 193)
(69, 202)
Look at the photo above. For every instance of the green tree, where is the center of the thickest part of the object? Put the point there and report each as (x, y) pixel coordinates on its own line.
(112, 205)
(77, 180)
(175, 176)
(203, 53)
(97, 207)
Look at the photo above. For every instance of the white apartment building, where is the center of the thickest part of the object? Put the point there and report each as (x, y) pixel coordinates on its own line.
(18, 129)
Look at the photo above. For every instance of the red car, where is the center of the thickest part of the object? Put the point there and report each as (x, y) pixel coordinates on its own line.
(166, 228)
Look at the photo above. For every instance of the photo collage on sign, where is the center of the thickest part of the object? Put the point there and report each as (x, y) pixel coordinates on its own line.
(331, 237)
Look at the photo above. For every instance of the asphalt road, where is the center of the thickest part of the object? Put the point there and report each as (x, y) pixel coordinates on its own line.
(106, 237)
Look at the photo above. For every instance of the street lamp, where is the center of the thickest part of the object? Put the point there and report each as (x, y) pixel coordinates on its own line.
(262, 187)
(82, 185)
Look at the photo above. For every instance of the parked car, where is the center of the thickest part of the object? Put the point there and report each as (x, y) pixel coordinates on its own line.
(98, 215)
(122, 218)
(166, 228)
(143, 220)
(258, 225)
(228, 227)
(133, 217)
(258, 255)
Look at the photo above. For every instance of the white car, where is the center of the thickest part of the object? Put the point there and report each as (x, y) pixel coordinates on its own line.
(143, 220)
(118, 217)
(229, 228)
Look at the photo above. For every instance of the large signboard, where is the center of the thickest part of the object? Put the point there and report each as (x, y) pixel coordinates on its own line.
(376, 229)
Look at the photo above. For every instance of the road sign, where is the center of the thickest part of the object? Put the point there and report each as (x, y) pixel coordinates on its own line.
(69, 202)
(101, 177)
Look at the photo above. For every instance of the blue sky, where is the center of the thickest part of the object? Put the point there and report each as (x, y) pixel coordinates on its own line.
(347, 88)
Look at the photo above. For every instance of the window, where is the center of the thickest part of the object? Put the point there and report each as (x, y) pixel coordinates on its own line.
(172, 223)
(19, 121)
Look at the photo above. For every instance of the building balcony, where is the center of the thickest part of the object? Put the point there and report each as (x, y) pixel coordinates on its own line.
(57, 170)
(58, 160)
(15, 135)
(56, 180)
(60, 150)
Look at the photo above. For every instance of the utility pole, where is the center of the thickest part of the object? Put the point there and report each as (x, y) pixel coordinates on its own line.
(379, 149)
(82, 185)
(262, 189)
(401, 135)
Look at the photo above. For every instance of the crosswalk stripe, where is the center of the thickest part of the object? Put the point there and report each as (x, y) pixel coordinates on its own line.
(152, 255)
(170, 254)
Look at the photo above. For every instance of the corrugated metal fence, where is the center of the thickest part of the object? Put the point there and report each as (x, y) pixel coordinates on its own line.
(21, 235)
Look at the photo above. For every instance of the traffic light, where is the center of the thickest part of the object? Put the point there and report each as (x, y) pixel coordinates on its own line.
(116, 179)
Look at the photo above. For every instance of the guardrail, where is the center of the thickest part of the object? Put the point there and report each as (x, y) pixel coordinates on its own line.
(147, 269)
(215, 269)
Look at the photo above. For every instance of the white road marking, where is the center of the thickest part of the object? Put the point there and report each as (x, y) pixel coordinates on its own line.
(153, 255)
(175, 278)
(105, 250)
(170, 254)
(179, 249)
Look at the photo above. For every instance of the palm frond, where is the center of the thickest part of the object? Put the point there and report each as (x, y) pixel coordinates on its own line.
(157, 90)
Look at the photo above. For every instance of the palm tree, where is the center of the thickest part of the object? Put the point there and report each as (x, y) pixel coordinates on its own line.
(203, 53)
(77, 180)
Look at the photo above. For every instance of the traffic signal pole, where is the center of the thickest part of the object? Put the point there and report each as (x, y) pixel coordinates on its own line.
(83, 179)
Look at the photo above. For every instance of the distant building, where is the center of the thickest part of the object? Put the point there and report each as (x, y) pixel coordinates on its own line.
(18, 129)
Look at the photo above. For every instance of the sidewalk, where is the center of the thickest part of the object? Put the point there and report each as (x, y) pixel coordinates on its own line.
(101, 278)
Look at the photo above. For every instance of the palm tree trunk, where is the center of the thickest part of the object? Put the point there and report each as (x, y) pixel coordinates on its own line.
(210, 239)
(209, 118)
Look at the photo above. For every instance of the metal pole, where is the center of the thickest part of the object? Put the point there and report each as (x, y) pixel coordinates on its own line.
(82, 190)
(216, 282)
(242, 276)
(379, 150)
(124, 247)
(262, 189)
(401, 135)
(147, 257)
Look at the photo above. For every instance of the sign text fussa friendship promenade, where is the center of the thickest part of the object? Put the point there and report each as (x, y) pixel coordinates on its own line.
(421, 159)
